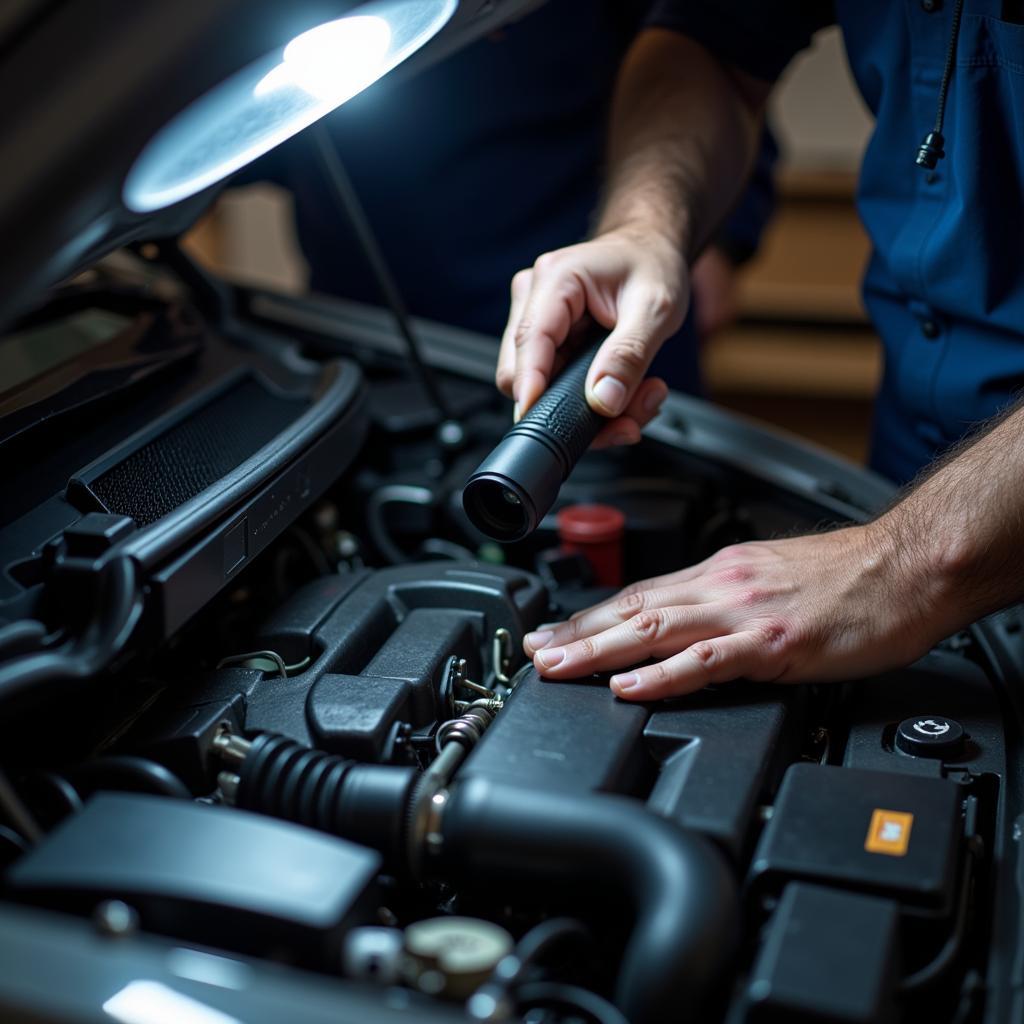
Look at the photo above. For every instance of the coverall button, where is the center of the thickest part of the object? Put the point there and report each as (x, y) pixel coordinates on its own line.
(930, 329)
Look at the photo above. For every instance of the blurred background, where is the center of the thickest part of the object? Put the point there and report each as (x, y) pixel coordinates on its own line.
(796, 349)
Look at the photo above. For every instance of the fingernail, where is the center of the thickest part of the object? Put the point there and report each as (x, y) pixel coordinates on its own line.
(551, 626)
(516, 413)
(626, 682)
(535, 641)
(611, 393)
(549, 659)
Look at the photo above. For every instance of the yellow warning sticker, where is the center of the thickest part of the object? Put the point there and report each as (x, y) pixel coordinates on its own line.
(889, 832)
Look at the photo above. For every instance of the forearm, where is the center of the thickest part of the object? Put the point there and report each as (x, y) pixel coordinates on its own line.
(683, 135)
(957, 538)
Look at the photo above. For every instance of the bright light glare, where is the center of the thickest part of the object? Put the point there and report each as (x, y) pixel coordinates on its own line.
(208, 968)
(272, 99)
(332, 62)
(152, 1002)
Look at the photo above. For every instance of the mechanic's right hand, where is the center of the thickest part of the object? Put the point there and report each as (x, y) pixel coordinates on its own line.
(631, 281)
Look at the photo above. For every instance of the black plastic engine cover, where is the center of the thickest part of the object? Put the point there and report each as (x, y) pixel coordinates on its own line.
(207, 874)
(566, 736)
(681, 757)
(891, 835)
(827, 956)
(378, 644)
(707, 780)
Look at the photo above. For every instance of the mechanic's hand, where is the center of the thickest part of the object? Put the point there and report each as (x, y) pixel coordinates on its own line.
(827, 606)
(632, 282)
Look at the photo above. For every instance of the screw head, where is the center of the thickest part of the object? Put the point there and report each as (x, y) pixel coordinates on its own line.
(115, 918)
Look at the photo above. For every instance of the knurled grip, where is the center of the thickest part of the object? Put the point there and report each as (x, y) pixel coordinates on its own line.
(518, 483)
(561, 415)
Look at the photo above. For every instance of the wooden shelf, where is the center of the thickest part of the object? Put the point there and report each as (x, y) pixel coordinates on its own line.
(810, 264)
(783, 362)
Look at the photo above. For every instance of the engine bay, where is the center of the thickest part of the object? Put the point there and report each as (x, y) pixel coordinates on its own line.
(323, 776)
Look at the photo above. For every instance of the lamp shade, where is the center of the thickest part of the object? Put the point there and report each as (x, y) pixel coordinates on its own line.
(273, 98)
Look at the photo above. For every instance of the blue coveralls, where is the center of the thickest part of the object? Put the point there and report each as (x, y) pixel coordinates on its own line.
(945, 285)
(476, 166)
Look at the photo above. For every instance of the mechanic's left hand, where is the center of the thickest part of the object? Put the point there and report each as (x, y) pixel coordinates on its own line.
(826, 606)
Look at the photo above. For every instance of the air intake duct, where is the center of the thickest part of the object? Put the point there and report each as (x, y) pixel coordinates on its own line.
(684, 899)
(366, 803)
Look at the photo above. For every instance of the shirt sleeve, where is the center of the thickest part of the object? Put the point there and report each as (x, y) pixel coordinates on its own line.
(759, 37)
(740, 235)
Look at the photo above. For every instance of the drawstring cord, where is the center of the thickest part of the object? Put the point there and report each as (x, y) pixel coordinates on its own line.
(932, 150)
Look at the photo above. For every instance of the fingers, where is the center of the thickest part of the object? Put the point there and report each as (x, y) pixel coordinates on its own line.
(654, 583)
(520, 292)
(606, 616)
(648, 634)
(556, 300)
(622, 282)
(645, 405)
(622, 361)
(620, 432)
(717, 660)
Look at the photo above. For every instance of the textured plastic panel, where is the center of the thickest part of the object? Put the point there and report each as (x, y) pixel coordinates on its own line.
(708, 782)
(890, 835)
(562, 736)
(195, 453)
(204, 873)
(562, 413)
(828, 956)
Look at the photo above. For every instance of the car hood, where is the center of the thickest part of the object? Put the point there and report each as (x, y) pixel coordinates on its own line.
(87, 86)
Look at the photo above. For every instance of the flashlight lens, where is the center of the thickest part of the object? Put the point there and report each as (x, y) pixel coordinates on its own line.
(495, 509)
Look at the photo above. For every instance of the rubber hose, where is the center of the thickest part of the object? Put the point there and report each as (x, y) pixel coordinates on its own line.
(684, 898)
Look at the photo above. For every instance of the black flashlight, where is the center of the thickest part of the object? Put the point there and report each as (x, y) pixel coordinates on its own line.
(515, 486)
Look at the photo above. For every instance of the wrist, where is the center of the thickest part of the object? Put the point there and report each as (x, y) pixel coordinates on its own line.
(655, 248)
(923, 582)
(647, 222)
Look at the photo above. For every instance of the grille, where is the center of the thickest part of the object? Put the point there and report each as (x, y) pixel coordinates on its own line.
(190, 456)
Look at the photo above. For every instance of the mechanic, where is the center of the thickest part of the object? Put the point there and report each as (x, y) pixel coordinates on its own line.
(941, 195)
(460, 202)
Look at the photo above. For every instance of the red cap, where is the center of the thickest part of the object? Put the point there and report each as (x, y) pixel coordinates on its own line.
(590, 524)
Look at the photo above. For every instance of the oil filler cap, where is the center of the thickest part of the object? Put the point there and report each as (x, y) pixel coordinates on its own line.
(930, 736)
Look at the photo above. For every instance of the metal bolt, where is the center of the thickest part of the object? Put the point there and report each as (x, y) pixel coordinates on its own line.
(230, 747)
(501, 654)
(115, 918)
(228, 783)
(451, 434)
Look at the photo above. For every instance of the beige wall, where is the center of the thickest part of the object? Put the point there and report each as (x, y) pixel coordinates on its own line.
(817, 113)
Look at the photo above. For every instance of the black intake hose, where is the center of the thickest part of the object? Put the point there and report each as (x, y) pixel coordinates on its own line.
(684, 897)
(366, 803)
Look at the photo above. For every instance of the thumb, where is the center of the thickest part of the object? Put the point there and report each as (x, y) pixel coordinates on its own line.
(622, 361)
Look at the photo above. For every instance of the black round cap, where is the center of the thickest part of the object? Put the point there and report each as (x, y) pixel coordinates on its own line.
(930, 736)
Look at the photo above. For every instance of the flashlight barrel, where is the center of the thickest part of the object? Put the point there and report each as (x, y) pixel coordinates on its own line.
(516, 485)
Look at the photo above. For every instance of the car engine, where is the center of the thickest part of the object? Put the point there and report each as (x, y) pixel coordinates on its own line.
(291, 763)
